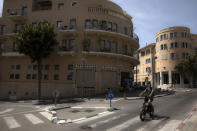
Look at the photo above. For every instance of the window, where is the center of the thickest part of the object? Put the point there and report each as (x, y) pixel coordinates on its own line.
(24, 11)
(12, 67)
(186, 45)
(14, 47)
(46, 77)
(71, 45)
(3, 29)
(60, 5)
(28, 76)
(102, 46)
(17, 28)
(34, 76)
(11, 76)
(165, 36)
(70, 75)
(70, 67)
(125, 31)
(171, 45)
(35, 67)
(183, 45)
(18, 67)
(57, 67)
(182, 34)
(17, 76)
(95, 24)
(165, 46)
(161, 47)
(185, 34)
(74, 4)
(171, 35)
(148, 69)
(114, 27)
(109, 26)
(176, 45)
(183, 55)
(161, 37)
(86, 45)
(172, 55)
(148, 61)
(124, 49)
(56, 77)
(108, 45)
(59, 24)
(104, 25)
(46, 67)
(175, 34)
(73, 24)
(87, 24)
(114, 47)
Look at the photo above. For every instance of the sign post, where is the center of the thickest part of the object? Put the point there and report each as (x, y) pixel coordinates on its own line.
(110, 96)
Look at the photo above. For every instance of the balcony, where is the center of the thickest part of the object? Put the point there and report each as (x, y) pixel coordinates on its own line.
(68, 30)
(5, 52)
(17, 15)
(65, 51)
(127, 56)
(134, 38)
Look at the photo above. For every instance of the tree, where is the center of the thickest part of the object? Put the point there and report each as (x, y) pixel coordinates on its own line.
(37, 42)
(188, 68)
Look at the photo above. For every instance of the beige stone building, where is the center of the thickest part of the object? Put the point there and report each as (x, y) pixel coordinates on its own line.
(173, 45)
(95, 51)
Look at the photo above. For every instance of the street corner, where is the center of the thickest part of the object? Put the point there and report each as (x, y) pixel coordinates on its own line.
(77, 114)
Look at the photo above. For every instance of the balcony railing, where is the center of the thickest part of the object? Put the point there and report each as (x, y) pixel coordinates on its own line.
(17, 14)
(133, 36)
(66, 49)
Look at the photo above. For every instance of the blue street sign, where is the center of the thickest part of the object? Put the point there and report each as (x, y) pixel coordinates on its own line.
(110, 95)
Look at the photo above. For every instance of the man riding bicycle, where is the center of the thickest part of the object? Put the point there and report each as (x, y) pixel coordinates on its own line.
(148, 94)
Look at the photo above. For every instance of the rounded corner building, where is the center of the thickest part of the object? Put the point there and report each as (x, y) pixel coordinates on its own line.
(95, 52)
(173, 45)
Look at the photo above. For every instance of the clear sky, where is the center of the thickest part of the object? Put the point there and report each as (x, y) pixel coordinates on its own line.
(150, 16)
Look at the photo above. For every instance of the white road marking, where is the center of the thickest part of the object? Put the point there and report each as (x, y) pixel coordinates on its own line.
(93, 118)
(149, 125)
(33, 119)
(80, 107)
(125, 124)
(170, 126)
(11, 122)
(106, 121)
(46, 115)
(6, 111)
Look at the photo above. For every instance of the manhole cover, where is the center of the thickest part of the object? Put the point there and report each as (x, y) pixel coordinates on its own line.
(89, 110)
(75, 111)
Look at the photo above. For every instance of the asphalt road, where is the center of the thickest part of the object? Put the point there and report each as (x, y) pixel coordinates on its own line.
(171, 113)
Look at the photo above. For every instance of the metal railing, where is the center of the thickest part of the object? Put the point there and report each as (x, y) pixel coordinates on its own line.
(16, 12)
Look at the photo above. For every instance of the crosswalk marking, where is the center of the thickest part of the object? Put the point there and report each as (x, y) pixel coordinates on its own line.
(106, 121)
(11, 122)
(125, 124)
(149, 125)
(170, 125)
(33, 119)
(46, 115)
(6, 111)
(95, 117)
